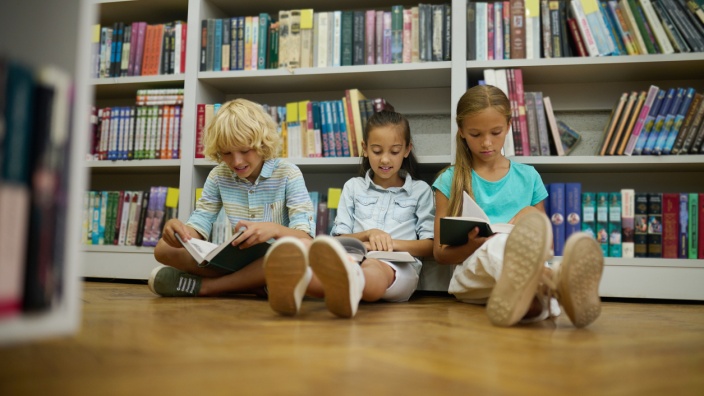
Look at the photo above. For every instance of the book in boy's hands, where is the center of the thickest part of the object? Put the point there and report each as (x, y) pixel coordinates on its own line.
(225, 255)
(356, 249)
(454, 230)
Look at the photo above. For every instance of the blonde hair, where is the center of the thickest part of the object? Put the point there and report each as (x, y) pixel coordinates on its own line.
(241, 123)
(473, 101)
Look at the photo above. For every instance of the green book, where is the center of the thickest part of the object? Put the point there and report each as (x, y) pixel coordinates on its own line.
(262, 46)
(602, 221)
(347, 37)
(693, 235)
(642, 27)
(589, 213)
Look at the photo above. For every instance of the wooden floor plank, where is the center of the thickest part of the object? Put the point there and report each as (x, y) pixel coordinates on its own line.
(132, 342)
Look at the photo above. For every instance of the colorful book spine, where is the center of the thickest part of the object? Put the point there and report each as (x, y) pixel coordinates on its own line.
(660, 121)
(573, 208)
(670, 224)
(678, 120)
(669, 121)
(627, 223)
(602, 221)
(640, 235)
(648, 123)
(589, 213)
(655, 225)
(557, 216)
(693, 235)
(615, 249)
(683, 236)
(640, 122)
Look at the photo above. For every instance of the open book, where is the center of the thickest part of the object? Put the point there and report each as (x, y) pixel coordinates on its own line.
(454, 230)
(358, 251)
(224, 256)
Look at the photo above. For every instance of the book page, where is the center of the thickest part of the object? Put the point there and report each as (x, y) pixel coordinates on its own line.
(197, 248)
(400, 257)
(471, 209)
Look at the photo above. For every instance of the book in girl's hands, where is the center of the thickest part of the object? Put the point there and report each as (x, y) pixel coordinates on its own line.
(225, 255)
(454, 230)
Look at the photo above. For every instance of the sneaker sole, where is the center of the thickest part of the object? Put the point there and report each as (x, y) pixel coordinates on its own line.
(152, 276)
(524, 258)
(579, 280)
(284, 267)
(331, 271)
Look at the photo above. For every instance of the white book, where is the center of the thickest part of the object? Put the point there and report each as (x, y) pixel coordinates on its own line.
(627, 223)
(532, 29)
(595, 19)
(584, 29)
(178, 29)
(481, 33)
(656, 27)
(336, 38)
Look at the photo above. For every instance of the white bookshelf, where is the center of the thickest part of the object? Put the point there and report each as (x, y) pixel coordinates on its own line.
(26, 43)
(584, 89)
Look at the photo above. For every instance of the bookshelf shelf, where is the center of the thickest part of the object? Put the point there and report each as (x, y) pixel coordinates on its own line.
(118, 249)
(581, 85)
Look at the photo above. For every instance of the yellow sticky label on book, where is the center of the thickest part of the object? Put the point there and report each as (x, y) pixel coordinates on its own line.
(307, 18)
(292, 112)
(95, 36)
(533, 8)
(172, 197)
(590, 6)
(334, 197)
(199, 193)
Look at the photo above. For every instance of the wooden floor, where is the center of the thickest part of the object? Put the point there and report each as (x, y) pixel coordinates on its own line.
(132, 342)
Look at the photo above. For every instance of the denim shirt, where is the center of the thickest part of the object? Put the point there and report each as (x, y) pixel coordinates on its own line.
(405, 213)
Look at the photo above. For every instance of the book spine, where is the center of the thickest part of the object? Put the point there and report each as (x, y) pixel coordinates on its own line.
(670, 224)
(654, 225)
(589, 213)
(397, 34)
(557, 216)
(602, 222)
(542, 124)
(675, 128)
(640, 235)
(584, 28)
(370, 35)
(693, 235)
(683, 229)
(691, 132)
(615, 237)
(358, 32)
(523, 122)
(640, 122)
(573, 208)
(649, 122)
(660, 121)
(627, 223)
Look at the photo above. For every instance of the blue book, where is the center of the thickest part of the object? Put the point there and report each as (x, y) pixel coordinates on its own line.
(610, 23)
(679, 118)
(326, 130)
(573, 208)
(546, 201)
(335, 123)
(683, 232)
(648, 123)
(659, 121)
(342, 126)
(217, 46)
(317, 132)
(669, 120)
(557, 216)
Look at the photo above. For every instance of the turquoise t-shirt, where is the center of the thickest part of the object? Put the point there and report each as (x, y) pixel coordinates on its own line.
(502, 199)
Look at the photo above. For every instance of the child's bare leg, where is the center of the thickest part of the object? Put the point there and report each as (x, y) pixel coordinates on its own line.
(244, 280)
(180, 259)
(378, 277)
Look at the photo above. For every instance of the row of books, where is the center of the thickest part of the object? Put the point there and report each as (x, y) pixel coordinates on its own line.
(135, 132)
(312, 128)
(304, 38)
(534, 128)
(517, 29)
(656, 122)
(627, 223)
(35, 135)
(138, 49)
(127, 218)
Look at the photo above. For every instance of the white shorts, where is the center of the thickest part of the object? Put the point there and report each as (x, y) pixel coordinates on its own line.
(405, 283)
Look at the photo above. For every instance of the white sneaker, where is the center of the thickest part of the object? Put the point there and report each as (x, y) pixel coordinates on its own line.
(578, 278)
(342, 278)
(287, 275)
(527, 249)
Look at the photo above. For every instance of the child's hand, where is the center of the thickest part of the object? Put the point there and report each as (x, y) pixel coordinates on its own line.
(474, 241)
(170, 228)
(256, 232)
(380, 240)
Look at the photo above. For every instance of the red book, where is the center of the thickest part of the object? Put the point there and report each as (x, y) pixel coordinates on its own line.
(700, 232)
(200, 125)
(670, 224)
(184, 29)
(522, 120)
(576, 37)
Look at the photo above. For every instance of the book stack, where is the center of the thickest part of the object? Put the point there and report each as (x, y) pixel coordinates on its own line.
(138, 49)
(310, 129)
(150, 130)
(655, 122)
(127, 218)
(534, 130)
(529, 29)
(628, 223)
(305, 38)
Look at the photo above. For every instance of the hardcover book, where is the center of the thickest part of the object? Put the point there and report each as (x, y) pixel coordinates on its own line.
(683, 230)
(454, 230)
(627, 222)
(615, 224)
(224, 256)
(589, 213)
(655, 225)
(670, 224)
(602, 221)
(640, 235)
(573, 208)
(557, 216)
